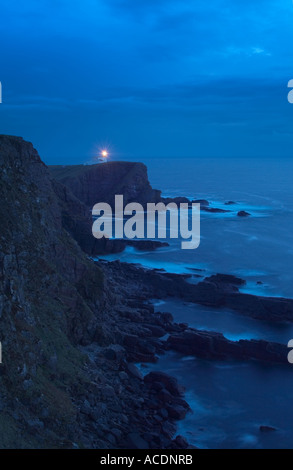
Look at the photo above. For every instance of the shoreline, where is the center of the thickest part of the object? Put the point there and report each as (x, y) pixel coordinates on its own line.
(77, 328)
(181, 338)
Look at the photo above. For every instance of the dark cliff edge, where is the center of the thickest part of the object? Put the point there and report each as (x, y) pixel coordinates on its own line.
(95, 183)
(82, 186)
(99, 183)
(66, 380)
(90, 184)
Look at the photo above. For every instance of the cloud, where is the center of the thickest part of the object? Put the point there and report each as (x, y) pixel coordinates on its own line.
(245, 51)
(180, 61)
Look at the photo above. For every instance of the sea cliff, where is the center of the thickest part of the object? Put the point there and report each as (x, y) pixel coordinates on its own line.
(66, 378)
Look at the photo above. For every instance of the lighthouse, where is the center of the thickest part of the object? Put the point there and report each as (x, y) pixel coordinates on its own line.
(103, 156)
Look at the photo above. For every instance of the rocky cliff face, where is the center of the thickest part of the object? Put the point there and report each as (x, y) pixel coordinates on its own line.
(51, 299)
(99, 183)
(70, 331)
(80, 187)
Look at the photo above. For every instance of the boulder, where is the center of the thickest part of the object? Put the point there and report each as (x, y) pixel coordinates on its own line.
(181, 442)
(135, 441)
(177, 412)
(267, 429)
(146, 245)
(170, 383)
(202, 202)
(214, 210)
(243, 214)
(134, 371)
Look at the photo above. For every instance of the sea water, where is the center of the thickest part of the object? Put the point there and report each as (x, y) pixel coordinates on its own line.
(231, 400)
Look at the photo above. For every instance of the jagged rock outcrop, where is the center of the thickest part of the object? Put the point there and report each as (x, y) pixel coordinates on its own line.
(77, 220)
(101, 182)
(210, 345)
(82, 186)
(243, 214)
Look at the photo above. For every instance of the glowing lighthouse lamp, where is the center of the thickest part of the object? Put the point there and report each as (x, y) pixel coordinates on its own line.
(103, 155)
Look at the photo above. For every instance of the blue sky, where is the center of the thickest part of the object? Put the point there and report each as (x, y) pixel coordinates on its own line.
(148, 78)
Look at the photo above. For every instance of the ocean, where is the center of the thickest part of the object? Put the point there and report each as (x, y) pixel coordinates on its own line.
(230, 401)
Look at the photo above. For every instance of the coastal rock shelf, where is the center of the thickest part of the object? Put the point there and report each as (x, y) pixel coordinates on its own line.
(188, 341)
(210, 345)
(215, 291)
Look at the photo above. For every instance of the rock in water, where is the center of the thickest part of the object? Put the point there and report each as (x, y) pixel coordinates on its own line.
(243, 214)
(267, 429)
